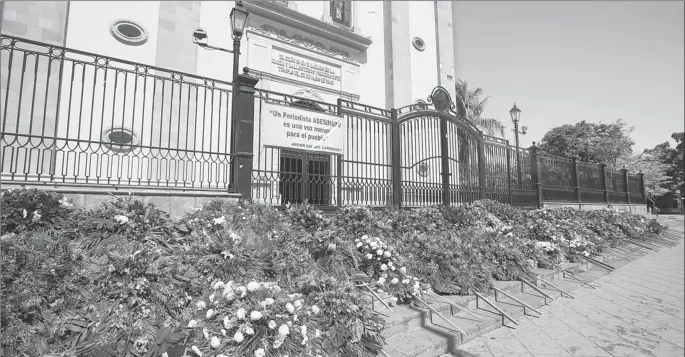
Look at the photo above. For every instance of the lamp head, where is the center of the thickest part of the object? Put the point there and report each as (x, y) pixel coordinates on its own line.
(515, 113)
(238, 20)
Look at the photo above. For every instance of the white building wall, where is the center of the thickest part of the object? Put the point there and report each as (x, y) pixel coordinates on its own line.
(424, 64)
(188, 120)
(96, 99)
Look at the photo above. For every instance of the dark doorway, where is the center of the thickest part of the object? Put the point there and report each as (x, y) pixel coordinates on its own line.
(304, 177)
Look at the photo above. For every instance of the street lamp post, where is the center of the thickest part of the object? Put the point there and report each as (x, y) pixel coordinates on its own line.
(238, 22)
(515, 113)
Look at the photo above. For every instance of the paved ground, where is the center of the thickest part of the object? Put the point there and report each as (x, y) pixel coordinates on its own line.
(638, 310)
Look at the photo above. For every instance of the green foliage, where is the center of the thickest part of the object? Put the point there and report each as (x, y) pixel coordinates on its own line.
(591, 142)
(126, 280)
(470, 106)
(26, 210)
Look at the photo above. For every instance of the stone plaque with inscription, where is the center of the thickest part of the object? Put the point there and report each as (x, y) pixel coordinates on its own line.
(305, 70)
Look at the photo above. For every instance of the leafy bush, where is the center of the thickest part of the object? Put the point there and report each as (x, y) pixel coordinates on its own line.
(24, 210)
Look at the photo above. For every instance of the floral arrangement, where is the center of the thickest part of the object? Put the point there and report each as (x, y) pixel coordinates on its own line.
(126, 278)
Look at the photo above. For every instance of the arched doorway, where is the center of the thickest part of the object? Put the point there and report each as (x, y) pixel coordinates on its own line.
(305, 176)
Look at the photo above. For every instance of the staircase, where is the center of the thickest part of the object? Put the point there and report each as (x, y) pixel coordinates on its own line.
(435, 331)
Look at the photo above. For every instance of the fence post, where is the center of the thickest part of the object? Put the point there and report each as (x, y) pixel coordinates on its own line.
(243, 141)
(395, 162)
(511, 200)
(603, 180)
(339, 166)
(535, 174)
(481, 167)
(626, 187)
(642, 187)
(574, 178)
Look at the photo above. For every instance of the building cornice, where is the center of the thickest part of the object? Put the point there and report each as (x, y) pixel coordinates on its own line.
(304, 42)
(289, 17)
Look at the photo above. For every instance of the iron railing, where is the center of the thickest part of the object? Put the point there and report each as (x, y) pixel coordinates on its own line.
(70, 116)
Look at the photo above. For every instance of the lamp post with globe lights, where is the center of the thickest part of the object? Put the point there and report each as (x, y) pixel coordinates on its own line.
(515, 113)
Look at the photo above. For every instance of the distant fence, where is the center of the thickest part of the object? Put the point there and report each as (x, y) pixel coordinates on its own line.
(80, 118)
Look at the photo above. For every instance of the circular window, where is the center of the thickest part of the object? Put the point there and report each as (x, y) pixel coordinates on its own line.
(120, 139)
(422, 169)
(128, 32)
(418, 44)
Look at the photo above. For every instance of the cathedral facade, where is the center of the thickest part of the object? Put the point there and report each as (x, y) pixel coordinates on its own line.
(119, 93)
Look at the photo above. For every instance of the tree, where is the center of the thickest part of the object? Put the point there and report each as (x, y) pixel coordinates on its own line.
(470, 106)
(654, 170)
(591, 142)
(674, 159)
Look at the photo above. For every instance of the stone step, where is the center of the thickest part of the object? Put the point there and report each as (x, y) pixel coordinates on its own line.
(421, 338)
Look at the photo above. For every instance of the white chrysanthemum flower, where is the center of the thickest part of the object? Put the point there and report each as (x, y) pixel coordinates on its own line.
(238, 337)
(201, 305)
(284, 330)
(303, 330)
(298, 304)
(241, 314)
(192, 323)
(223, 332)
(210, 313)
(384, 267)
(387, 254)
(64, 202)
(219, 285)
(197, 351)
(359, 244)
(253, 286)
(272, 324)
(394, 281)
(403, 270)
(315, 309)
(121, 219)
(379, 252)
(278, 343)
(227, 322)
(369, 256)
(255, 315)
(381, 280)
(220, 220)
(259, 353)
(242, 290)
(215, 342)
(290, 307)
(249, 330)
(269, 301)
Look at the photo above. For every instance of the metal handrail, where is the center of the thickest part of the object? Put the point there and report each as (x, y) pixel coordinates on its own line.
(515, 299)
(496, 308)
(534, 287)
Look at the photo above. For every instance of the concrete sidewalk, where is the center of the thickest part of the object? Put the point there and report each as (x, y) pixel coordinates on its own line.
(638, 310)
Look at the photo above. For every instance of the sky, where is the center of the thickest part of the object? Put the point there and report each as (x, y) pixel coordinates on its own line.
(562, 62)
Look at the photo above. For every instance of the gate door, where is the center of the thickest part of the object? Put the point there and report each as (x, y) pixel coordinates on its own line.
(440, 155)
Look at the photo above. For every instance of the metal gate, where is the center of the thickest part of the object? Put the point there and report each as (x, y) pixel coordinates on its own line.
(440, 156)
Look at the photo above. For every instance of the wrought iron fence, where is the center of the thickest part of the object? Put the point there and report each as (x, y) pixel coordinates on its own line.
(70, 116)
(75, 117)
